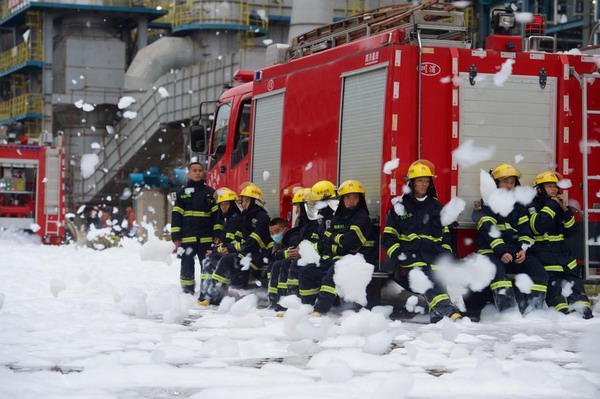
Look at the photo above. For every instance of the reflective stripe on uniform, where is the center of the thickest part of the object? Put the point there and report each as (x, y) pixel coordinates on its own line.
(214, 208)
(218, 227)
(359, 233)
(486, 219)
(569, 223)
(188, 239)
(547, 237)
(272, 290)
(206, 240)
(231, 236)
(532, 223)
(178, 209)
(484, 251)
(391, 250)
(187, 282)
(196, 214)
(415, 264)
(573, 264)
(500, 284)
(329, 289)
(554, 268)
(258, 239)
(221, 279)
(548, 211)
(292, 281)
(337, 238)
(448, 247)
(313, 291)
(391, 230)
(539, 287)
(437, 299)
(409, 237)
(522, 219)
(281, 285)
(175, 229)
(527, 239)
(561, 306)
(205, 276)
(496, 242)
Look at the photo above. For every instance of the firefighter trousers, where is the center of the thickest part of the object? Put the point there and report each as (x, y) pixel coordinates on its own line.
(188, 260)
(566, 289)
(309, 281)
(209, 265)
(437, 298)
(228, 272)
(292, 282)
(278, 282)
(503, 291)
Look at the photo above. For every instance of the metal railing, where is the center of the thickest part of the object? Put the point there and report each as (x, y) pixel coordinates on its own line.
(6, 10)
(240, 12)
(21, 105)
(24, 52)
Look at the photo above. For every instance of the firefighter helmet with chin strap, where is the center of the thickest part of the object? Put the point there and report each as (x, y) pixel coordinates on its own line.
(252, 191)
(547, 177)
(300, 195)
(224, 194)
(420, 168)
(505, 170)
(351, 186)
(321, 190)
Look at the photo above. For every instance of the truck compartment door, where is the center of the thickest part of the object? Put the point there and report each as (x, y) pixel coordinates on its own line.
(361, 130)
(266, 147)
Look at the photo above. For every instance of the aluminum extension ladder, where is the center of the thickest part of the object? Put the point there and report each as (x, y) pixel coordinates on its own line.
(586, 179)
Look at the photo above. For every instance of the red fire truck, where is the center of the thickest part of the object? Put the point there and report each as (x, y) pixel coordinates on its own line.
(405, 83)
(32, 189)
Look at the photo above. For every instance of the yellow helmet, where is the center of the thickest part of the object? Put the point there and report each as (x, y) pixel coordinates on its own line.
(300, 195)
(505, 170)
(252, 191)
(547, 177)
(225, 194)
(321, 190)
(351, 186)
(420, 168)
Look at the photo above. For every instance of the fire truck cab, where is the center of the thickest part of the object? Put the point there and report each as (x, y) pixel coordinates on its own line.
(356, 94)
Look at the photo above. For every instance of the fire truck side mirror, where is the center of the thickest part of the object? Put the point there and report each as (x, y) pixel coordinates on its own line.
(198, 139)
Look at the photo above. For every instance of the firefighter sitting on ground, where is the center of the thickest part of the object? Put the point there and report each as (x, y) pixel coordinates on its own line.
(285, 250)
(192, 224)
(350, 232)
(246, 254)
(504, 240)
(552, 221)
(229, 219)
(415, 237)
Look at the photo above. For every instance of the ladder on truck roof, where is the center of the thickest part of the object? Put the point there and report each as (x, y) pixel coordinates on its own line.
(431, 23)
(586, 180)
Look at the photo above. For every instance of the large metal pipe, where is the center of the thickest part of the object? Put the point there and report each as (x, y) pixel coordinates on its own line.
(158, 58)
(308, 15)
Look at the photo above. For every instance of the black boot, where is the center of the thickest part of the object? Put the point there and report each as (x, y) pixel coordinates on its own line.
(188, 289)
(216, 292)
(533, 301)
(504, 298)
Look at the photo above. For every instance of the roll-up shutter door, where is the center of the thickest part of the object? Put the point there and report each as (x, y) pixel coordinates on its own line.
(361, 134)
(518, 119)
(266, 144)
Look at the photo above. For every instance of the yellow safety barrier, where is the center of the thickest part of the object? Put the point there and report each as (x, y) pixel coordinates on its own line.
(21, 105)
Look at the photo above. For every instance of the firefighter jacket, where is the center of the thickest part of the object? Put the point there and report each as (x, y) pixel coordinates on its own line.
(231, 222)
(498, 235)
(551, 226)
(417, 237)
(194, 215)
(350, 231)
(252, 236)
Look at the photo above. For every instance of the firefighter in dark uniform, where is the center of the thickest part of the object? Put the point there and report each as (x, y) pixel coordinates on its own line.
(504, 240)
(193, 221)
(246, 255)
(285, 243)
(552, 221)
(416, 237)
(314, 217)
(350, 233)
(229, 220)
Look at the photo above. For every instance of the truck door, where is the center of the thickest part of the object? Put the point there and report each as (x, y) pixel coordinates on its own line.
(217, 165)
(239, 171)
